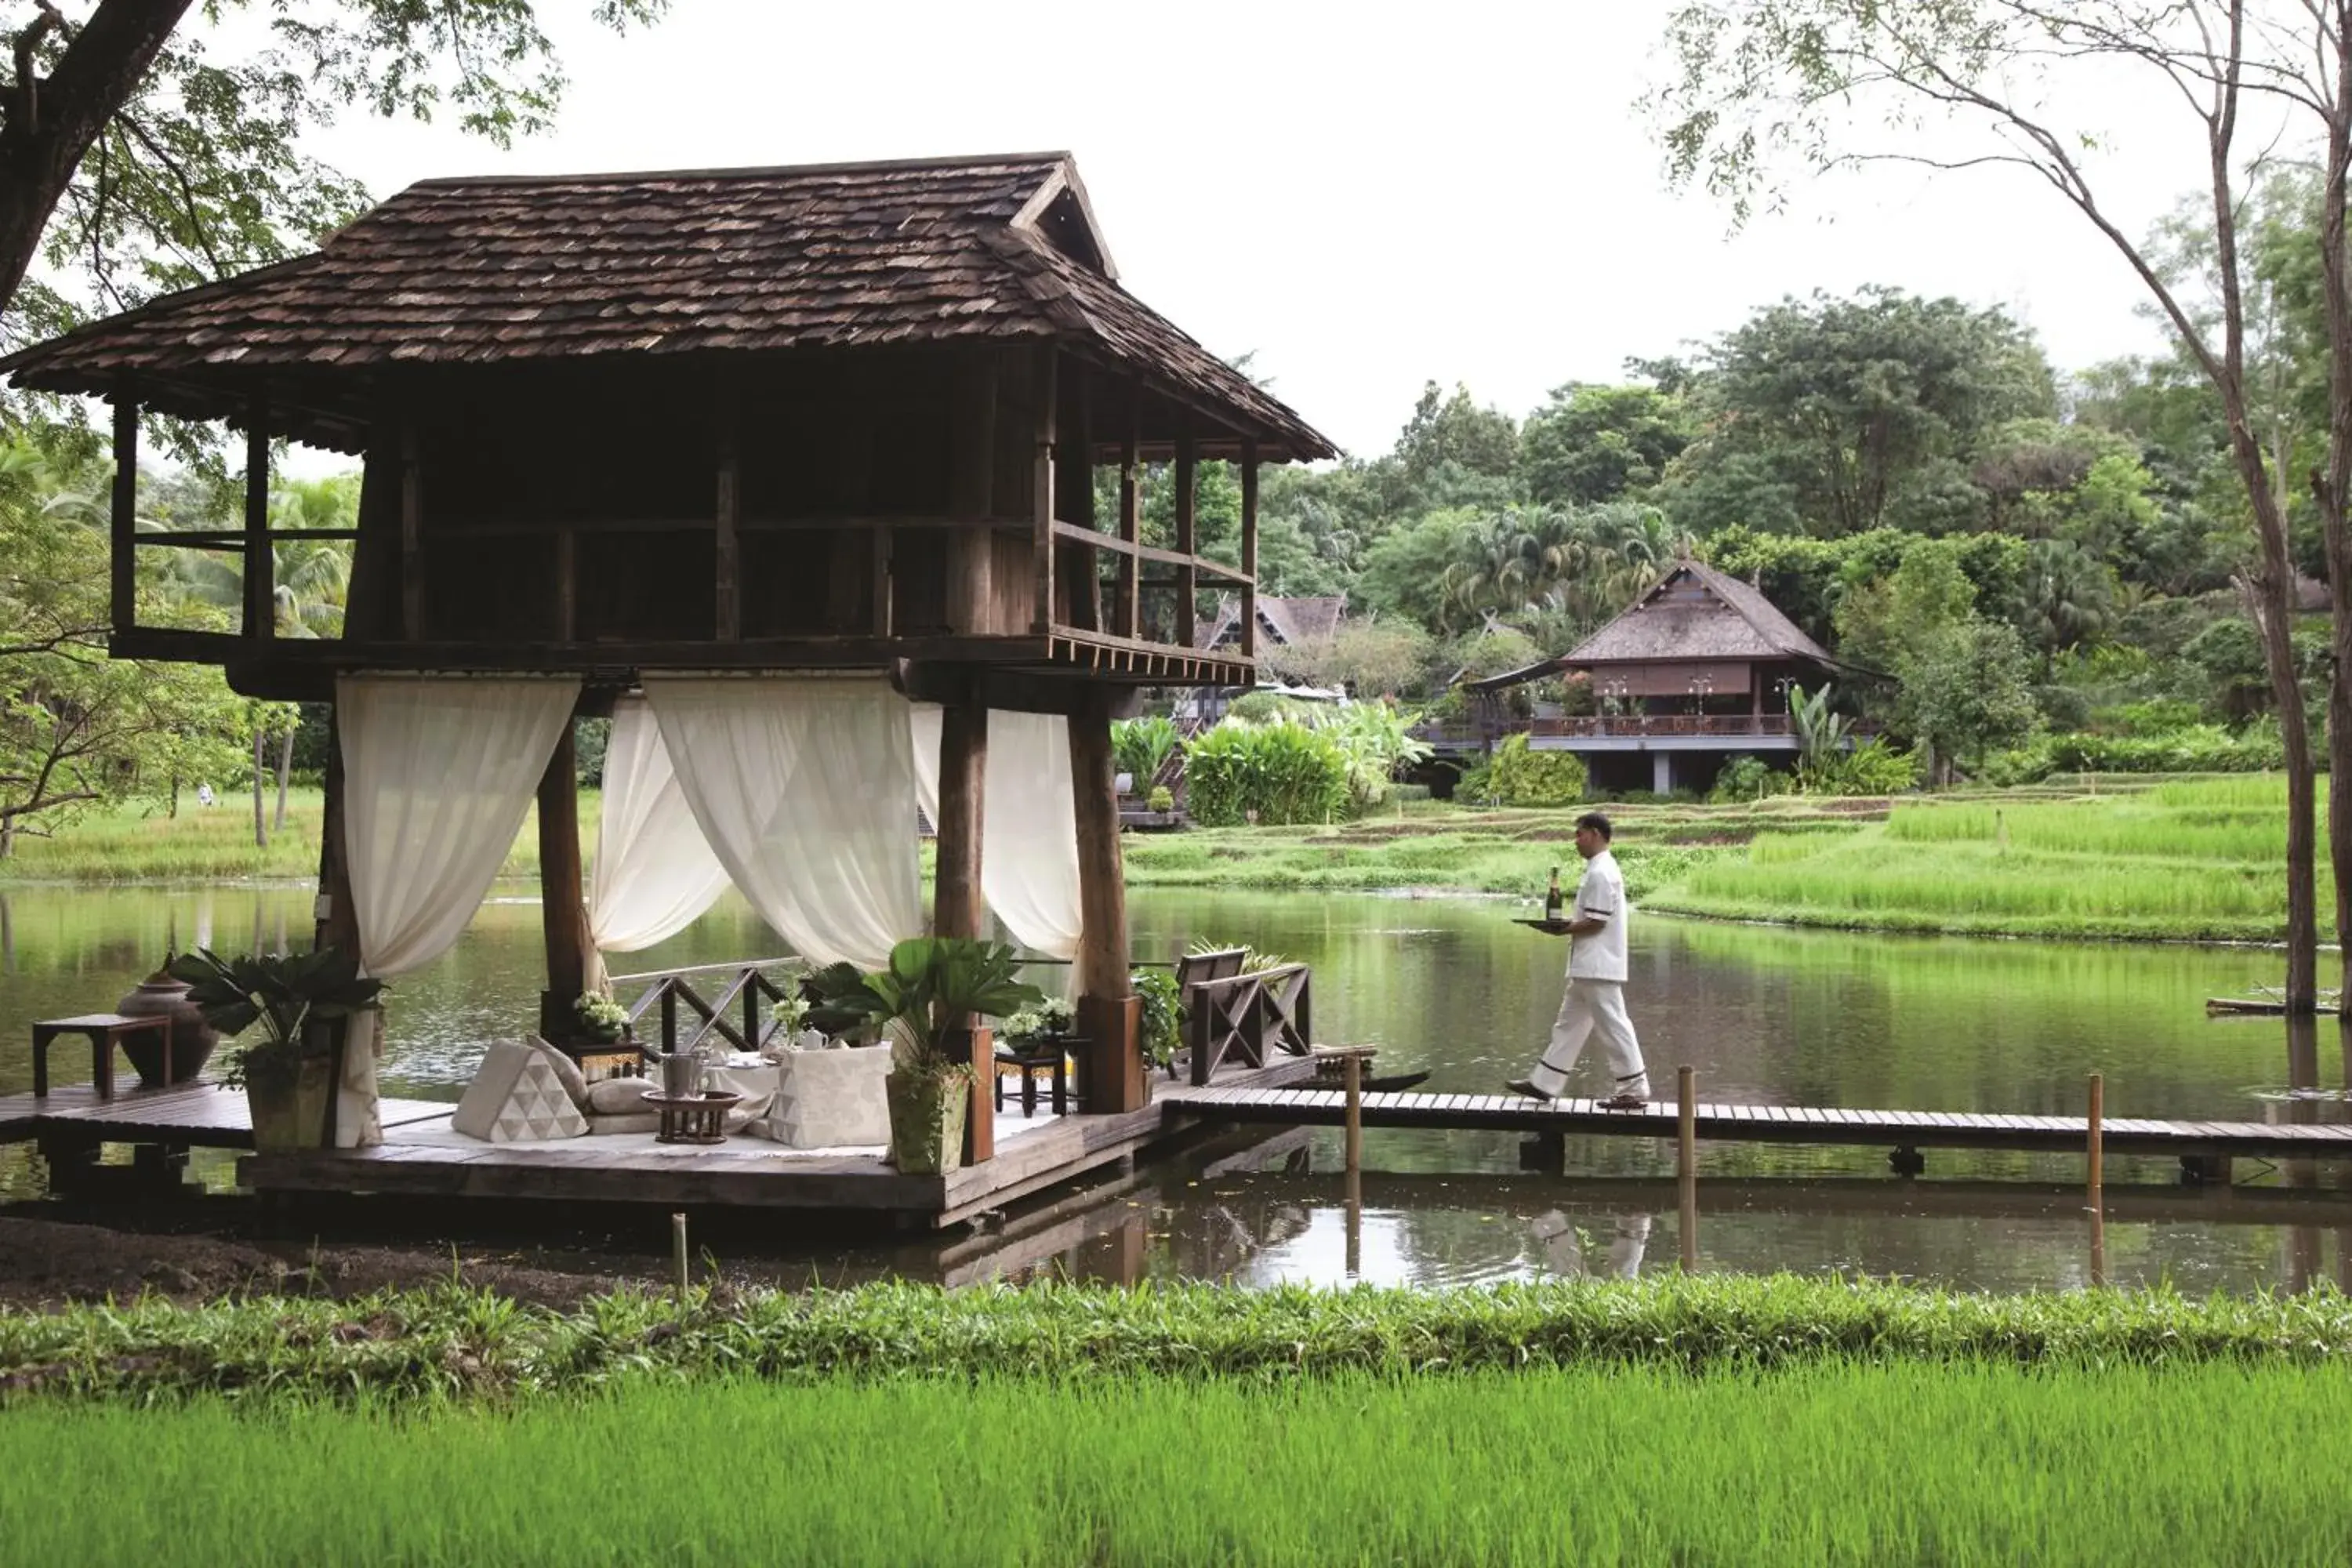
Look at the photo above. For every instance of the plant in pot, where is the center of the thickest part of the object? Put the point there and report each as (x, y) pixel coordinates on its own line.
(926, 999)
(600, 1019)
(289, 1074)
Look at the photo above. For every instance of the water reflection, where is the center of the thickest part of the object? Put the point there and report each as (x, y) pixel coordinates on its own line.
(1454, 988)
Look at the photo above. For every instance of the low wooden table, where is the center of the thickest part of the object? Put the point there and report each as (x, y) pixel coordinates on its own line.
(1031, 1062)
(105, 1031)
(692, 1118)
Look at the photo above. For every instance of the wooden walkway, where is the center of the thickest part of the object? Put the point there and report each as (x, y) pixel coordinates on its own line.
(200, 1115)
(1911, 1130)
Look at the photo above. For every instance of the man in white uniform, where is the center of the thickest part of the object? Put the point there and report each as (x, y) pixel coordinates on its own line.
(1595, 1003)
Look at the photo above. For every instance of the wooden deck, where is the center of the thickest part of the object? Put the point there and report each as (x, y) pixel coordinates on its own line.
(200, 1115)
(1775, 1123)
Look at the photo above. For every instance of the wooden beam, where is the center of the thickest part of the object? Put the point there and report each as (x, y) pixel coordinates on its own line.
(412, 534)
(957, 907)
(562, 905)
(1110, 1073)
(337, 924)
(260, 566)
(971, 492)
(122, 564)
(1249, 549)
(1074, 507)
(1042, 393)
(1148, 552)
(1128, 615)
(727, 557)
(1188, 544)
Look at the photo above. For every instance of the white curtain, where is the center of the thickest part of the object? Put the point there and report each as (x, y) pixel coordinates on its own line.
(438, 773)
(1029, 832)
(805, 789)
(653, 872)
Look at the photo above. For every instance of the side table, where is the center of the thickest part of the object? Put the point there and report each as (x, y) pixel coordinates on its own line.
(105, 1031)
(692, 1118)
(1036, 1059)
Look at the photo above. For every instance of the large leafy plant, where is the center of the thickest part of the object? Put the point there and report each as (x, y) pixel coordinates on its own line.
(283, 993)
(933, 986)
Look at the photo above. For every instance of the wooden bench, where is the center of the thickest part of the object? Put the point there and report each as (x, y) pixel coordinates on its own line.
(105, 1031)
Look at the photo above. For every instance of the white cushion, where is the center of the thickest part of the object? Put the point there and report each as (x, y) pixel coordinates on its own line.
(618, 1096)
(516, 1098)
(830, 1100)
(567, 1073)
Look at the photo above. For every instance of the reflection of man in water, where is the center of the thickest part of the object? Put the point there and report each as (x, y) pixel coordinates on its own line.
(1563, 1246)
(1595, 1003)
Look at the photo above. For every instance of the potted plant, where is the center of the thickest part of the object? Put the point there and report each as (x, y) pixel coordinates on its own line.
(1163, 1017)
(1038, 1028)
(927, 998)
(601, 1018)
(289, 1075)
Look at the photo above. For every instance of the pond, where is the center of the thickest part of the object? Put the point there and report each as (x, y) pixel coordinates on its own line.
(1453, 986)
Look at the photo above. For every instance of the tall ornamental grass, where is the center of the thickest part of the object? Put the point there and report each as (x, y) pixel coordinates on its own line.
(1832, 1464)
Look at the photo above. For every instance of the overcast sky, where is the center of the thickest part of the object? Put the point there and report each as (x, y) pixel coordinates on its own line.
(1363, 204)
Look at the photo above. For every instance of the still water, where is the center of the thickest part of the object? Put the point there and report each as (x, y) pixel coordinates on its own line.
(1763, 1014)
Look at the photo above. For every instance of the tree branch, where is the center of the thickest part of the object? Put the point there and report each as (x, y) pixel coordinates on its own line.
(24, 118)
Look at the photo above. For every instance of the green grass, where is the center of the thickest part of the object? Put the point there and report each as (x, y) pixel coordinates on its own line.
(2187, 860)
(143, 843)
(1829, 1464)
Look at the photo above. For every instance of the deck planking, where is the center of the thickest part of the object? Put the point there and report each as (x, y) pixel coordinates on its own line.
(1783, 1124)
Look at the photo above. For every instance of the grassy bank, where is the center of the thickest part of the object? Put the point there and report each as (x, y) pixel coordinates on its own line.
(2198, 860)
(425, 1348)
(140, 843)
(1830, 1464)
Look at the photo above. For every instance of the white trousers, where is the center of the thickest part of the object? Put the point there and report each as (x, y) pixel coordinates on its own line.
(1590, 1007)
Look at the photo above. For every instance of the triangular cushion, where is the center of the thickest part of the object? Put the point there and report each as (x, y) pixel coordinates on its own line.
(516, 1098)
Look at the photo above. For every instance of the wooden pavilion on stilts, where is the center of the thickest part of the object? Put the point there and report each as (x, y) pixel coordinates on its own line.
(810, 419)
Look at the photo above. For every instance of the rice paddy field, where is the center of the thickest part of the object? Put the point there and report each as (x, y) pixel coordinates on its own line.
(2189, 859)
(1689, 1420)
(1835, 1464)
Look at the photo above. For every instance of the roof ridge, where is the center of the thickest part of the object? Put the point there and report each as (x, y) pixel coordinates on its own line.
(748, 172)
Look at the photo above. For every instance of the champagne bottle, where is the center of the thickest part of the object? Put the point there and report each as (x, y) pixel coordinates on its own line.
(1552, 906)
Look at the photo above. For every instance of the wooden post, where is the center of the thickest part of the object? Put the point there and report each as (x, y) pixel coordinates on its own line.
(1129, 616)
(123, 564)
(1110, 1073)
(1686, 1161)
(1249, 549)
(1188, 500)
(2096, 1127)
(728, 574)
(677, 1254)
(336, 924)
(958, 908)
(1074, 475)
(1043, 391)
(260, 568)
(412, 534)
(1351, 1073)
(562, 906)
(971, 548)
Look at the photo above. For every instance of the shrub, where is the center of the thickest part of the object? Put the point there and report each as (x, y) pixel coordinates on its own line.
(2197, 748)
(1872, 768)
(1748, 778)
(1162, 798)
(1277, 773)
(1523, 776)
(1141, 747)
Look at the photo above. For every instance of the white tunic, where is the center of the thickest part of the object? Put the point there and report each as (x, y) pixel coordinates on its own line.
(1601, 896)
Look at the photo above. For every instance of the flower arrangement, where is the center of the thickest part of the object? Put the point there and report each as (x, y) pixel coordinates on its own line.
(1052, 1017)
(601, 1017)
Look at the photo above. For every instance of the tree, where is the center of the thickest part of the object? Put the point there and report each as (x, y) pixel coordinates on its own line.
(1598, 443)
(78, 728)
(1965, 692)
(1864, 409)
(134, 161)
(1984, 83)
(1456, 430)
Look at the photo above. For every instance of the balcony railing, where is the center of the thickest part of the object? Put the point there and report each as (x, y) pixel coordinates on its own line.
(1732, 726)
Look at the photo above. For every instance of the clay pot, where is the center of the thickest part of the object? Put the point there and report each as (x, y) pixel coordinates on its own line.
(193, 1039)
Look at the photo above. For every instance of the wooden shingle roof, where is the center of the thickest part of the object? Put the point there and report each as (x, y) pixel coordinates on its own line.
(539, 268)
(1726, 618)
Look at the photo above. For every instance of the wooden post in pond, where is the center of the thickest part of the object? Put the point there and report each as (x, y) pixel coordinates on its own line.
(1110, 1071)
(958, 908)
(1686, 1161)
(1351, 1073)
(677, 1254)
(562, 904)
(2097, 1129)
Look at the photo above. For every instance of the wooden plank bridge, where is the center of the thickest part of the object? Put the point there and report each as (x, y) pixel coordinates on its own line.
(1905, 1132)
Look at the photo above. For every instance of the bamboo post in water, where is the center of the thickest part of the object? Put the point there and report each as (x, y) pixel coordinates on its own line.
(677, 1253)
(1686, 1161)
(1351, 1073)
(2096, 1126)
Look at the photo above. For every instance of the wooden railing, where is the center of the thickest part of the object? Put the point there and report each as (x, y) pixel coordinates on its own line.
(671, 993)
(1729, 725)
(1238, 1017)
